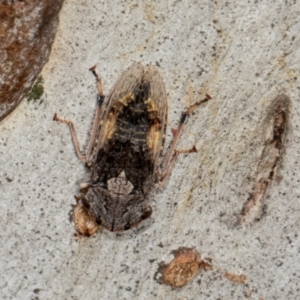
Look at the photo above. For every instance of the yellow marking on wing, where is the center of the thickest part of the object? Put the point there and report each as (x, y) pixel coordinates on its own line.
(127, 99)
(109, 126)
(154, 137)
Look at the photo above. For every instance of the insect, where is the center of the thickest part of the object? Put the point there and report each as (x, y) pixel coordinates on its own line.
(124, 152)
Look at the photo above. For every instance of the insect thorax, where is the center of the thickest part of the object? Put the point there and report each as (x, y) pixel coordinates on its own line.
(117, 212)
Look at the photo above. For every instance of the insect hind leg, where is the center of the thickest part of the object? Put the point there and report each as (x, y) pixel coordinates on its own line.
(73, 135)
(173, 152)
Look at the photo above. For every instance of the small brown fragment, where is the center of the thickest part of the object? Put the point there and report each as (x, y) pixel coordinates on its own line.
(235, 277)
(183, 268)
(204, 265)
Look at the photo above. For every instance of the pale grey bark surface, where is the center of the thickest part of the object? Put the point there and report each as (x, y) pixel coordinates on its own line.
(243, 54)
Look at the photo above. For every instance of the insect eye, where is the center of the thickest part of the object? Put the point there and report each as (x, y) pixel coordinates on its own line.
(85, 203)
(127, 226)
(147, 213)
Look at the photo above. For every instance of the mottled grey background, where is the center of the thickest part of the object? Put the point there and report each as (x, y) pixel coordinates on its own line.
(243, 54)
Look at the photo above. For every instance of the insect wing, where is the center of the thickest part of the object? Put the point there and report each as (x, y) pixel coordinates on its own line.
(126, 84)
(158, 106)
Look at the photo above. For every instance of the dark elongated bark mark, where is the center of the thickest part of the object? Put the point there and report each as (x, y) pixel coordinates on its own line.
(270, 159)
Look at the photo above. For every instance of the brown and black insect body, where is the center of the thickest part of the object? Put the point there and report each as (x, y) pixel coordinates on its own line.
(124, 151)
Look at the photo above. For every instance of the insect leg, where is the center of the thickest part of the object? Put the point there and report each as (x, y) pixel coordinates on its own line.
(173, 153)
(73, 135)
(96, 127)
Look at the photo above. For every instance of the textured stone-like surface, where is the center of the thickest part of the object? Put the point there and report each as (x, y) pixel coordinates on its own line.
(244, 54)
(27, 30)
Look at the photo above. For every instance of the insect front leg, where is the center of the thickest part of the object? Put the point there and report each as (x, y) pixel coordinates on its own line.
(100, 98)
(73, 135)
(173, 152)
